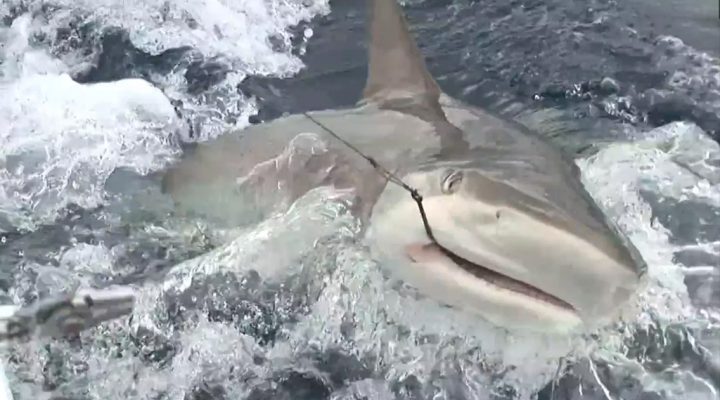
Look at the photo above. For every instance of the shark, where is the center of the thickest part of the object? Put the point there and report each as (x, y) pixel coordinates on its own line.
(476, 212)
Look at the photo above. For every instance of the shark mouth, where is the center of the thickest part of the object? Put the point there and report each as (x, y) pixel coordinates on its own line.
(422, 252)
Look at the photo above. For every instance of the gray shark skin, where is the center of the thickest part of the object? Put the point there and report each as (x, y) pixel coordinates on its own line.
(519, 240)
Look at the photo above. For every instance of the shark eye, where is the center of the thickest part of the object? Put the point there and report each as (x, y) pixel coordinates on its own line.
(450, 181)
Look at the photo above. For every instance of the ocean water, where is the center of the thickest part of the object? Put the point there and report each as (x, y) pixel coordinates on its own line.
(98, 96)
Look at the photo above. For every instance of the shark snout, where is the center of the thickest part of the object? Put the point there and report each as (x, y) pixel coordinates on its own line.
(499, 261)
(535, 251)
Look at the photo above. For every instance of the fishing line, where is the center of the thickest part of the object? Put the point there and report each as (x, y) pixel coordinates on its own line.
(386, 174)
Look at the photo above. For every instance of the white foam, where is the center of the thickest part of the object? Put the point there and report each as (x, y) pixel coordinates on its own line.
(249, 37)
(206, 353)
(673, 161)
(239, 31)
(632, 166)
(61, 140)
(19, 58)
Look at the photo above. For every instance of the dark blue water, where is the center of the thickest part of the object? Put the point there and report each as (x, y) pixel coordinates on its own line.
(519, 55)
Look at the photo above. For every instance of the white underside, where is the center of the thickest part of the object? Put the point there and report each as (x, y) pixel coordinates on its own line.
(443, 280)
(515, 245)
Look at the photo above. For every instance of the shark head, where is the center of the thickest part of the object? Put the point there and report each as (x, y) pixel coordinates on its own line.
(515, 259)
(511, 233)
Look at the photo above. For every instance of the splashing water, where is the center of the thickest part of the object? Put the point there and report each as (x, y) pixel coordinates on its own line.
(46, 114)
(679, 164)
(326, 302)
(79, 134)
(61, 140)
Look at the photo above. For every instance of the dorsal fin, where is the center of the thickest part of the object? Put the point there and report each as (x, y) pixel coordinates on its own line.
(397, 70)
